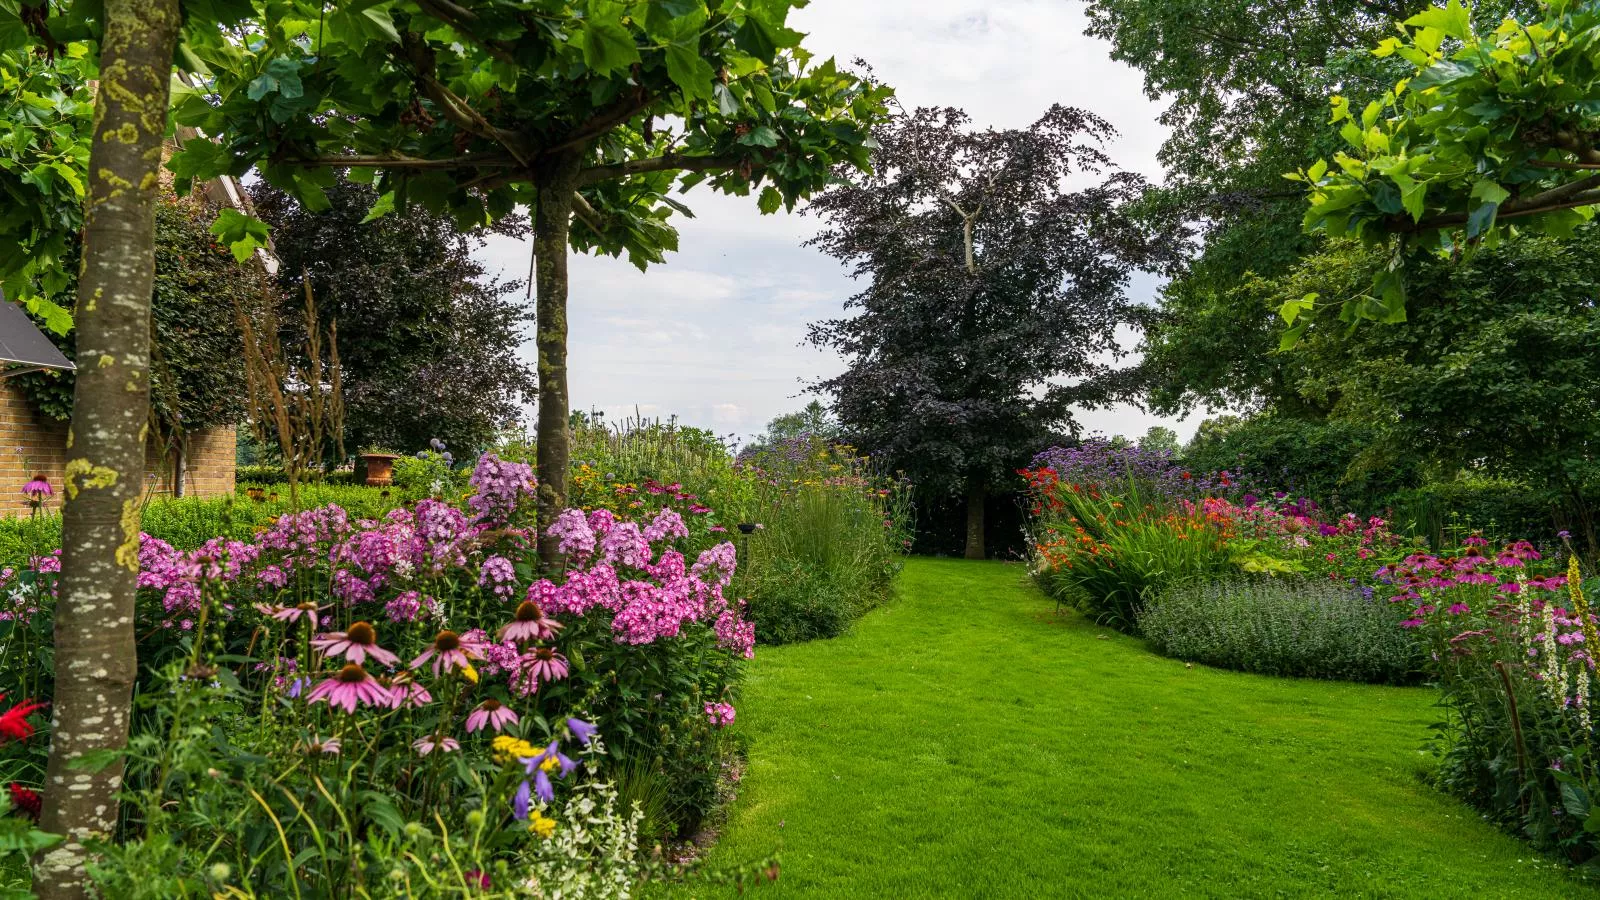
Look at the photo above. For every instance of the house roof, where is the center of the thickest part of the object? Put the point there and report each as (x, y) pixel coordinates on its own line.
(23, 347)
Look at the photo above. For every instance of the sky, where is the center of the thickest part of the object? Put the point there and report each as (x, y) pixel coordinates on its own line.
(716, 335)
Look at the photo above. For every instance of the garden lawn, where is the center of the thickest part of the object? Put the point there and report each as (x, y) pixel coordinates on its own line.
(967, 740)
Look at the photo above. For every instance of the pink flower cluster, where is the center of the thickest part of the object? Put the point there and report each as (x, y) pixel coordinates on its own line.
(497, 486)
(720, 714)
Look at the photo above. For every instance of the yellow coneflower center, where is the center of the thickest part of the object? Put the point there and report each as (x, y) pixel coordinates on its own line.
(352, 673)
(361, 633)
(529, 611)
(446, 641)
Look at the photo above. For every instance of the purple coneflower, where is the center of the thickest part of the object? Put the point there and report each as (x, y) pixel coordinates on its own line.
(545, 664)
(492, 713)
(360, 642)
(449, 651)
(349, 687)
(530, 624)
(37, 489)
(291, 613)
(405, 692)
(427, 745)
(329, 747)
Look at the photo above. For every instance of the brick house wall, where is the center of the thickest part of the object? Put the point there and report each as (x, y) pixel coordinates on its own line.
(34, 444)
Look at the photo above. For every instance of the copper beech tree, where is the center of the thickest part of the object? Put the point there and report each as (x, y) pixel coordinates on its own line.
(587, 112)
(994, 295)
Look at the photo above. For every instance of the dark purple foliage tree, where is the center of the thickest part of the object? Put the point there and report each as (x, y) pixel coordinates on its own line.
(427, 340)
(997, 268)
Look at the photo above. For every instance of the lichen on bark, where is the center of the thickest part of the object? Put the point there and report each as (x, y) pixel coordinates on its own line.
(94, 640)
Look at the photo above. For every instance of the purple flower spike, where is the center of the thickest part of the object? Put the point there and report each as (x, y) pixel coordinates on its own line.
(582, 730)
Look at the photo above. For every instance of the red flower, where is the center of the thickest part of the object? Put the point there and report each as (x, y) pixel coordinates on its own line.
(14, 724)
(26, 800)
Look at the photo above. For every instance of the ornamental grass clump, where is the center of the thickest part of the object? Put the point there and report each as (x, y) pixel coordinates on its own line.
(1283, 626)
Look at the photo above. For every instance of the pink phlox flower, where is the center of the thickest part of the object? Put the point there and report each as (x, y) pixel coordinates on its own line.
(577, 536)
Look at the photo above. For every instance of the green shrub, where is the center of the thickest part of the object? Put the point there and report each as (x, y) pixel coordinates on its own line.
(1329, 461)
(428, 474)
(831, 529)
(1310, 628)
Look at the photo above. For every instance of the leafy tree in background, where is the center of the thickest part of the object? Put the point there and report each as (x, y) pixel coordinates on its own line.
(1493, 122)
(1493, 372)
(591, 109)
(994, 293)
(196, 364)
(1159, 438)
(812, 419)
(1247, 82)
(427, 341)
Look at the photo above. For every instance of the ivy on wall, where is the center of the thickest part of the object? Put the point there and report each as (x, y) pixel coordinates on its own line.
(197, 363)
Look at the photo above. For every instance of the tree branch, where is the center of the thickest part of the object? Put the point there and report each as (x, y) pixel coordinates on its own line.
(469, 161)
(461, 19)
(1517, 211)
(664, 163)
(587, 213)
(456, 109)
(621, 110)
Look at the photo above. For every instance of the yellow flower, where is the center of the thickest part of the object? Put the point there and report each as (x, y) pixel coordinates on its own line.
(1580, 604)
(469, 673)
(549, 764)
(541, 825)
(507, 748)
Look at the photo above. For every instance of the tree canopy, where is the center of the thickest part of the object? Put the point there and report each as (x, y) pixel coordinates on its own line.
(980, 262)
(1494, 123)
(428, 340)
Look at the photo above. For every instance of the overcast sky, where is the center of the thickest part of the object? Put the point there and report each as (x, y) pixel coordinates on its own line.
(715, 335)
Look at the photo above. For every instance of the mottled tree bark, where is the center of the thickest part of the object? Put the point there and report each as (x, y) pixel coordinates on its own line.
(94, 639)
(976, 495)
(552, 222)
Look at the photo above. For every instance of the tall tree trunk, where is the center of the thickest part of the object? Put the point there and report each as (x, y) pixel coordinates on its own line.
(94, 639)
(551, 224)
(976, 495)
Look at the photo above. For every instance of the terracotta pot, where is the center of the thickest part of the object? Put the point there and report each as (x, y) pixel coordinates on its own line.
(380, 468)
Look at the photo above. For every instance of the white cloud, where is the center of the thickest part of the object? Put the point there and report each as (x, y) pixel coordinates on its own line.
(715, 334)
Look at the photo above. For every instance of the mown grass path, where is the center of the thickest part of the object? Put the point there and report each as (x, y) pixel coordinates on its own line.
(968, 741)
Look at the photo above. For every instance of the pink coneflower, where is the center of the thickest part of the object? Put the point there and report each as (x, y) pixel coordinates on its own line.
(329, 747)
(405, 692)
(291, 613)
(427, 745)
(545, 664)
(699, 509)
(449, 651)
(492, 713)
(37, 489)
(360, 642)
(530, 624)
(349, 687)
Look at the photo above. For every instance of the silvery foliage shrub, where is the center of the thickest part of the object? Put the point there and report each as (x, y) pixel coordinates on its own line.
(594, 852)
(1297, 627)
